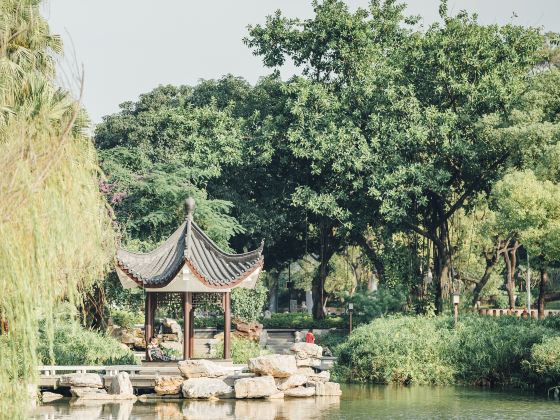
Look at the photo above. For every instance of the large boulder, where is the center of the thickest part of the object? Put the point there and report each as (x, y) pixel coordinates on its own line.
(50, 396)
(258, 387)
(310, 361)
(249, 330)
(292, 381)
(300, 391)
(327, 388)
(323, 376)
(201, 369)
(87, 392)
(172, 327)
(307, 350)
(121, 385)
(276, 365)
(89, 380)
(168, 385)
(206, 388)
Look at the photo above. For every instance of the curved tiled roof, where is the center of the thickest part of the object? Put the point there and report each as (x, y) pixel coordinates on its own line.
(189, 245)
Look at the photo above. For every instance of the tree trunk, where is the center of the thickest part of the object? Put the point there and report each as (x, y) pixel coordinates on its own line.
(318, 287)
(273, 296)
(491, 257)
(542, 287)
(442, 261)
(510, 258)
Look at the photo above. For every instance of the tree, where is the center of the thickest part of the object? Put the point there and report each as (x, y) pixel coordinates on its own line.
(531, 208)
(393, 119)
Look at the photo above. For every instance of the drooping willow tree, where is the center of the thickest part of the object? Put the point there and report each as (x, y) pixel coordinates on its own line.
(56, 237)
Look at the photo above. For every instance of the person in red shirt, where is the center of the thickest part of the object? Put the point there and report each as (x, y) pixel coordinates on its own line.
(309, 337)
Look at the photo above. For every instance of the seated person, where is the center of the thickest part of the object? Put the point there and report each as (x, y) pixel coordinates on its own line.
(155, 354)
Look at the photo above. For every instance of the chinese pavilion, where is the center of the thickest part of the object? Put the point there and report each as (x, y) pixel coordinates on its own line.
(191, 264)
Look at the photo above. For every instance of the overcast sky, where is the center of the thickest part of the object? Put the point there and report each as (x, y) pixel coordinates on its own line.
(128, 47)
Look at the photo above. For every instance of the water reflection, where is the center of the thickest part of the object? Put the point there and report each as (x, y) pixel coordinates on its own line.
(358, 402)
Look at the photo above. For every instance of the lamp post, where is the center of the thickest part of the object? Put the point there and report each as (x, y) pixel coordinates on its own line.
(455, 307)
(350, 310)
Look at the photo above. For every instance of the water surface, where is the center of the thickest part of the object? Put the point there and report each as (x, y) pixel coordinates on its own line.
(357, 402)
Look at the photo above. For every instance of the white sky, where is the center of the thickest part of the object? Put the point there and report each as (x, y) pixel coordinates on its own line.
(128, 47)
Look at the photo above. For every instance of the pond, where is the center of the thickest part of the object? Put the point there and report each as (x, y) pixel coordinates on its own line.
(357, 402)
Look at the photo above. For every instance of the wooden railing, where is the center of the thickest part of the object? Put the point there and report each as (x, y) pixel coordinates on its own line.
(519, 313)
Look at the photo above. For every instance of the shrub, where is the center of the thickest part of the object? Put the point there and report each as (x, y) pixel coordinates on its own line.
(75, 345)
(247, 304)
(126, 319)
(489, 350)
(302, 320)
(396, 349)
(543, 366)
(480, 350)
(242, 349)
(332, 340)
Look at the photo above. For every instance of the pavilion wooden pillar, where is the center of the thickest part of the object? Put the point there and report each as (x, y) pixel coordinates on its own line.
(149, 319)
(188, 323)
(227, 325)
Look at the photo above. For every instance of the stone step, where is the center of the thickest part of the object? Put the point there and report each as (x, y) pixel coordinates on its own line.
(279, 341)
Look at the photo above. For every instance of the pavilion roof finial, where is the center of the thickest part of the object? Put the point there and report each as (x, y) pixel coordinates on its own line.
(190, 205)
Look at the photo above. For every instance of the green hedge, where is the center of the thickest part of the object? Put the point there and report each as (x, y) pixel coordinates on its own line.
(75, 345)
(301, 320)
(241, 350)
(481, 350)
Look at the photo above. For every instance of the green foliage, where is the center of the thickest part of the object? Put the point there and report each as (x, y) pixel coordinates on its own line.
(302, 321)
(76, 345)
(543, 365)
(500, 301)
(487, 350)
(241, 350)
(126, 319)
(403, 350)
(247, 304)
(370, 305)
(332, 340)
(481, 350)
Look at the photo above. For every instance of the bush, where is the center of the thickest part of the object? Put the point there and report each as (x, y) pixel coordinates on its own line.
(332, 340)
(126, 319)
(397, 349)
(371, 305)
(247, 304)
(481, 350)
(302, 320)
(543, 366)
(489, 350)
(242, 349)
(76, 345)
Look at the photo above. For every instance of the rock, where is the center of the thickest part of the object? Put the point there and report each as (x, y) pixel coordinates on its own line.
(258, 387)
(324, 376)
(201, 369)
(170, 325)
(89, 380)
(327, 388)
(300, 391)
(50, 396)
(277, 396)
(250, 330)
(139, 343)
(305, 370)
(145, 397)
(291, 382)
(308, 362)
(205, 388)
(168, 385)
(121, 385)
(84, 391)
(279, 366)
(307, 350)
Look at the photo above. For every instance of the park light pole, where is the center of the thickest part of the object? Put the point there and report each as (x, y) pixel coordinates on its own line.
(350, 310)
(455, 307)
